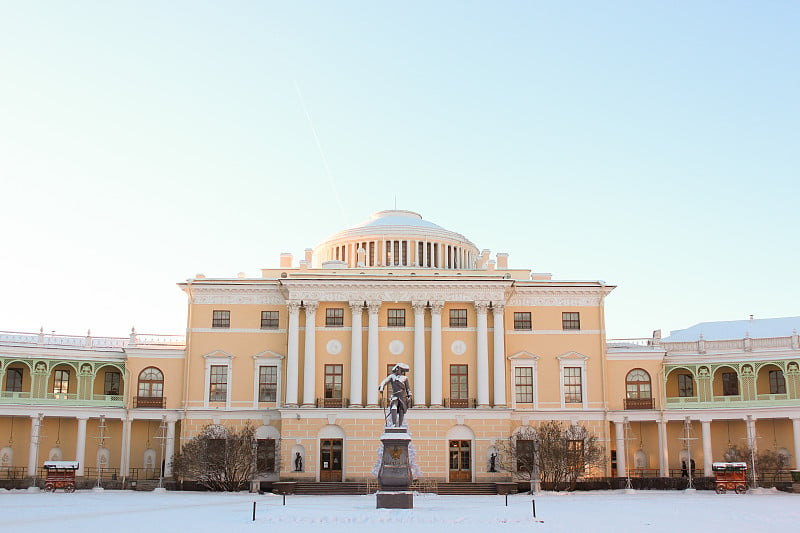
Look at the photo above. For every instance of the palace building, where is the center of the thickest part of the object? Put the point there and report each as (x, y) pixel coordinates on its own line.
(299, 352)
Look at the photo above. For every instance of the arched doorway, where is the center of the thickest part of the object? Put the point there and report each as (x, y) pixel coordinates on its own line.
(460, 444)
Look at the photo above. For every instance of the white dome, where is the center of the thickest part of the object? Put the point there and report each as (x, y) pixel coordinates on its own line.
(401, 238)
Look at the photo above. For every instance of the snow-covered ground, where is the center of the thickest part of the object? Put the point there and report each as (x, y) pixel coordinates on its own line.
(196, 512)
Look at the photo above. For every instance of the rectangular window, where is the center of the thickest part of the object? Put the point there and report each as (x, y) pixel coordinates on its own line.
(575, 461)
(218, 390)
(61, 382)
(267, 383)
(777, 383)
(458, 318)
(685, 386)
(111, 385)
(522, 320)
(459, 382)
(730, 384)
(570, 320)
(269, 320)
(14, 380)
(396, 318)
(573, 389)
(221, 319)
(523, 384)
(334, 316)
(265, 455)
(333, 381)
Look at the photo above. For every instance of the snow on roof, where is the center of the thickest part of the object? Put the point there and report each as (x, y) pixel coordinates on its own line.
(73, 465)
(737, 329)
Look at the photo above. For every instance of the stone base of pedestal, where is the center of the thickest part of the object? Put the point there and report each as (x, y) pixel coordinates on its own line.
(395, 500)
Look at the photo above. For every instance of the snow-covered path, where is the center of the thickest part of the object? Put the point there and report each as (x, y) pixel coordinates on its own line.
(605, 511)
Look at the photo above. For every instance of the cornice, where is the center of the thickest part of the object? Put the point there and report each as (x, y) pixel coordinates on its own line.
(556, 297)
(402, 291)
(231, 294)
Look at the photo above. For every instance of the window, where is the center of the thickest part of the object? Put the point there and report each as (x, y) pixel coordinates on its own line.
(730, 384)
(458, 318)
(334, 316)
(111, 386)
(570, 320)
(522, 320)
(526, 455)
(397, 318)
(458, 382)
(269, 320)
(573, 390)
(218, 389)
(14, 380)
(637, 384)
(267, 383)
(221, 319)
(265, 455)
(777, 383)
(523, 384)
(61, 382)
(685, 386)
(333, 381)
(575, 459)
(151, 383)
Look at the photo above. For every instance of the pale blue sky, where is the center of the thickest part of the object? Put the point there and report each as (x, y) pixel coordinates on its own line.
(653, 145)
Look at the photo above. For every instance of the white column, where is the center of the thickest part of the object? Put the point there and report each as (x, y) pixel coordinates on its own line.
(33, 451)
(80, 445)
(425, 253)
(483, 354)
(125, 450)
(796, 433)
(663, 449)
(170, 448)
(707, 453)
(293, 354)
(436, 353)
(499, 355)
(619, 434)
(310, 366)
(419, 354)
(356, 355)
(372, 354)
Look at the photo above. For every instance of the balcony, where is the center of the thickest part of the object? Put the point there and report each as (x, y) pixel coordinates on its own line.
(149, 402)
(638, 403)
(460, 403)
(764, 400)
(333, 403)
(26, 397)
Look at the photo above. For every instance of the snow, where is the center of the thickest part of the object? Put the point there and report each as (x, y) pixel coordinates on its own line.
(737, 329)
(601, 512)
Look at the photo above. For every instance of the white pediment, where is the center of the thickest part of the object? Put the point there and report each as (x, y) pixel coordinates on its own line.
(572, 356)
(524, 356)
(268, 354)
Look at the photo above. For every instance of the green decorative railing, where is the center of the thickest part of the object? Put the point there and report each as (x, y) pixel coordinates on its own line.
(105, 400)
(763, 400)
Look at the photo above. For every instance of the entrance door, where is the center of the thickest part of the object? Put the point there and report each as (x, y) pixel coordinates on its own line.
(460, 461)
(330, 460)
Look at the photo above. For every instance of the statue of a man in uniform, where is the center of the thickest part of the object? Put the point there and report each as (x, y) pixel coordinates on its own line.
(401, 393)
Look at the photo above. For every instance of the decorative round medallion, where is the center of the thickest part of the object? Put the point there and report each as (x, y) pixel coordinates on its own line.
(396, 347)
(458, 347)
(334, 347)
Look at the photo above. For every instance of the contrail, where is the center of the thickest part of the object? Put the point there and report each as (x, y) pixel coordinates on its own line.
(321, 151)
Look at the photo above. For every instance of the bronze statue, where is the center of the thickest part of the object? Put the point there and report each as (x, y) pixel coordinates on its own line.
(401, 393)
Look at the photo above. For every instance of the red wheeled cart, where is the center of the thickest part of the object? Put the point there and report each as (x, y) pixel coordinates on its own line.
(60, 475)
(730, 476)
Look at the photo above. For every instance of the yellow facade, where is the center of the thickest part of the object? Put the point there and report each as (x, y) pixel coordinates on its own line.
(299, 353)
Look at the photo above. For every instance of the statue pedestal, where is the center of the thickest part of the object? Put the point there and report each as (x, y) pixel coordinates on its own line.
(394, 476)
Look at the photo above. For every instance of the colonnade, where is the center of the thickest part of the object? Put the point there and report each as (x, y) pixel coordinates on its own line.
(402, 252)
(420, 356)
(80, 443)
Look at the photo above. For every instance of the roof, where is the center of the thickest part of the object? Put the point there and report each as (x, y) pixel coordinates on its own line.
(737, 329)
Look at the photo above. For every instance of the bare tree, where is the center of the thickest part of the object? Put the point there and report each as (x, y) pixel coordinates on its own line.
(219, 458)
(552, 453)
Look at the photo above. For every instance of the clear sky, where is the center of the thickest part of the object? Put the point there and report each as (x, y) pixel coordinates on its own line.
(653, 145)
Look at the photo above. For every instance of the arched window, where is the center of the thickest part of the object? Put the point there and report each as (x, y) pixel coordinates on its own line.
(638, 389)
(151, 388)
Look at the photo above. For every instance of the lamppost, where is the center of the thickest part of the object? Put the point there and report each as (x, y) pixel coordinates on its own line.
(162, 434)
(687, 440)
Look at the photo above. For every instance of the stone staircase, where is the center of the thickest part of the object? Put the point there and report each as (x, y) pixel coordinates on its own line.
(330, 488)
(467, 489)
(146, 484)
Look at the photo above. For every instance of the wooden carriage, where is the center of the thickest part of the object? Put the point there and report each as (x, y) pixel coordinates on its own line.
(60, 475)
(730, 477)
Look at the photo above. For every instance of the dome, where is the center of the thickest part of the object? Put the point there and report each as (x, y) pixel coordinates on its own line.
(395, 238)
